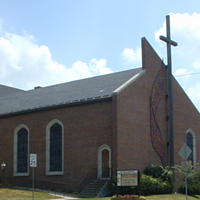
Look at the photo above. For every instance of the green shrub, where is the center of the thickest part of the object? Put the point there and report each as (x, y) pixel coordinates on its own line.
(157, 180)
(157, 171)
(192, 188)
(193, 175)
(58, 190)
(69, 191)
(154, 170)
(150, 185)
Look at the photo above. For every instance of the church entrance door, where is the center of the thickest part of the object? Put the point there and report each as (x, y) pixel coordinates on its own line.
(104, 162)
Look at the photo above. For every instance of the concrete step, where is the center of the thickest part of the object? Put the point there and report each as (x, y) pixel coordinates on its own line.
(91, 189)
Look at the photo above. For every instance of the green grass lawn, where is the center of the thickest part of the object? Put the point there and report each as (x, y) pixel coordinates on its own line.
(17, 194)
(171, 197)
(158, 197)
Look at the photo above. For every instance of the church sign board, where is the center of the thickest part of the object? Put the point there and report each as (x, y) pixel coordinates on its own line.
(128, 178)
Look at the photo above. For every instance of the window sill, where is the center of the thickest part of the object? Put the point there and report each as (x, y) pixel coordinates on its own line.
(54, 173)
(21, 174)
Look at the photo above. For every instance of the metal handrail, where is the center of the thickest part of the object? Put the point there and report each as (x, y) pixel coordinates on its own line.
(91, 175)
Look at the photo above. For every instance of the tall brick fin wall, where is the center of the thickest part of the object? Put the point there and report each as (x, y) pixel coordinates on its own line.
(186, 116)
(134, 147)
(148, 53)
(152, 63)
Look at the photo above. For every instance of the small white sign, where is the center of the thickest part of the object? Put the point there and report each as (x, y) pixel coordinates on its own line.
(185, 151)
(127, 178)
(33, 160)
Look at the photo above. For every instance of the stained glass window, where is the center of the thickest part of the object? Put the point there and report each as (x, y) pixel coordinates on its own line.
(56, 147)
(190, 145)
(22, 151)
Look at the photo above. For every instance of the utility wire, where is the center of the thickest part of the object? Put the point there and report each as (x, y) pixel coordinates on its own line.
(187, 74)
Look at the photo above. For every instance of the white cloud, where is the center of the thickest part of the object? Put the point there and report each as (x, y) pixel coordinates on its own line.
(99, 66)
(24, 64)
(181, 22)
(194, 94)
(131, 56)
(185, 30)
(182, 72)
(196, 64)
(0, 25)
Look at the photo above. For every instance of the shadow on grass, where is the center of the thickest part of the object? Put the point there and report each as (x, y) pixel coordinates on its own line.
(196, 197)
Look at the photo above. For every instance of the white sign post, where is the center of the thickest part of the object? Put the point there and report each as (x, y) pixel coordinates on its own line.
(128, 178)
(184, 152)
(33, 164)
(33, 160)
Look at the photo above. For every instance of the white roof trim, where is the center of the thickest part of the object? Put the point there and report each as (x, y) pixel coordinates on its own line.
(127, 83)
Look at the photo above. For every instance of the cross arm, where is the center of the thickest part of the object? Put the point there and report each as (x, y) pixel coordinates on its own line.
(168, 41)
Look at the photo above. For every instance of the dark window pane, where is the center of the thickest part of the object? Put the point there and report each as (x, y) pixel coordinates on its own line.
(56, 148)
(22, 150)
(190, 145)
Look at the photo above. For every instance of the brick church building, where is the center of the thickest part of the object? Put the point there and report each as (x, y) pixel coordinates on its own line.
(95, 125)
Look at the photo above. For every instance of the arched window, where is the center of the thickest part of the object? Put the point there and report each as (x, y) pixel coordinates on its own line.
(21, 150)
(54, 148)
(191, 143)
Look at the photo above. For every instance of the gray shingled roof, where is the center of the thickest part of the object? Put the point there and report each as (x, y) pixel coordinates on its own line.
(6, 90)
(80, 90)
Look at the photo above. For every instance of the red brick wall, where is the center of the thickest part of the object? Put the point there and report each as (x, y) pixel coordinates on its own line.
(86, 128)
(135, 150)
(134, 146)
(185, 116)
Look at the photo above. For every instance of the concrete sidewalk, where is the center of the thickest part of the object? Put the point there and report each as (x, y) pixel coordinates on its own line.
(64, 196)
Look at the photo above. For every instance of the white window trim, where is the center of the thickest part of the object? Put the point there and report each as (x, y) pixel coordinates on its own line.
(15, 173)
(100, 149)
(48, 172)
(194, 144)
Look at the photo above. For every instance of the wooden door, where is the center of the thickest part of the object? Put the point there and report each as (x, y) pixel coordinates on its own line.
(105, 164)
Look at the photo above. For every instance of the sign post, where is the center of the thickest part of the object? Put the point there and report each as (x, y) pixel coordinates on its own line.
(33, 164)
(128, 178)
(184, 152)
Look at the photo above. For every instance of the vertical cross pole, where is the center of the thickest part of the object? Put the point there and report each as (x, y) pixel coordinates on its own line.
(170, 92)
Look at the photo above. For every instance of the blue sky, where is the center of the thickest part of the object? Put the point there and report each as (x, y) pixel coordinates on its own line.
(45, 42)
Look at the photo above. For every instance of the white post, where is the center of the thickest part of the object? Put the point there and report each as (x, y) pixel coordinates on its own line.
(33, 185)
(185, 168)
(33, 164)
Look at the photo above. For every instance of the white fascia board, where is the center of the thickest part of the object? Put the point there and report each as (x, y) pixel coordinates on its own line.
(127, 83)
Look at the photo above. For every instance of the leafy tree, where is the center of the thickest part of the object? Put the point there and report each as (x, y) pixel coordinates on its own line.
(192, 173)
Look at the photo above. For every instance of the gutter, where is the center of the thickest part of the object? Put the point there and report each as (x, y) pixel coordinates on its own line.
(56, 106)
